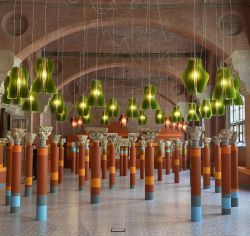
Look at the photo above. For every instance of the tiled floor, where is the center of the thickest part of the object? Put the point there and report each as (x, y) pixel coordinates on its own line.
(70, 212)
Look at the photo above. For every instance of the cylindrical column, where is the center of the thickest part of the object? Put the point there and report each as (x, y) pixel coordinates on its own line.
(142, 158)
(217, 163)
(16, 170)
(81, 145)
(54, 160)
(121, 160)
(95, 167)
(226, 171)
(29, 138)
(61, 161)
(3, 142)
(9, 169)
(77, 158)
(206, 163)
(180, 157)
(42, 172)
(104, 157)
(161, 153)
(234, 171)
(125, 160)
(184, 155)
(168, 156)
(132, 163)
(195, 173)
(73, 158)
(87, 159)
(177, 161)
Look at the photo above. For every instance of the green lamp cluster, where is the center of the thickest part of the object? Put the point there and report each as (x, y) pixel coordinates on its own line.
(82, 106)
(142, 118)
(105, 118)
(176, 115)
(113, 107)
(149, 99)
(159, 116)
(96, 97)
(192, 113)
(205, 109)
(132, 110)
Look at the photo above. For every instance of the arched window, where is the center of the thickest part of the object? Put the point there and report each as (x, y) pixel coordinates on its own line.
(237, 122)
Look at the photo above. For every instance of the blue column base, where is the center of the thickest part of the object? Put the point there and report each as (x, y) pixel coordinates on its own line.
(81, 188)
(2, 186)
(149, 195)
(218, 189)
(196, 214)
(207, 187)
(28, 191)
(235, 199)
(53, 189)
(41, 213)
(226, 204)
(132, 186)
(112, 186)
(15, 203)
(94, 199)
(7, 197)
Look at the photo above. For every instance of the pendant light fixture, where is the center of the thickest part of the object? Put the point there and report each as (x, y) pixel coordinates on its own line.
(224, 89)
(105, 118)
(30, 103)
(96, 97)
(149, 99)
(195, 77)
(56, 103)
(5, 98)
(174, 125)
(192, 114)
(167, 122)
(63, 116)
(18, 84)
(159, 116)
(79, 122)
(205, 109)
(113, 107)
(86, 119)
(123, 120)
(44, 82)
(142, 118)
(132, 110)
(73, 122)
(218, 107)
(82, 107)
(176, 115)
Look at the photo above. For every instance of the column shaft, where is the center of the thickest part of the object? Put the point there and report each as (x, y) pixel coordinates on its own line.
(8, 174)
(121, 160)
(104, 163)
(217, 163)
(73, 159)
(125, 161)
(61, 164)
(142, 162)
(77, 160)
(54, 168)
(159, 166)
(168, 160)
(81, 167)
(234, 172)
(86, 162)
(149, 172)
(184, 158)
(176, 164)
(28, 170)
(206, 167)
(132, 166)
(112, 166)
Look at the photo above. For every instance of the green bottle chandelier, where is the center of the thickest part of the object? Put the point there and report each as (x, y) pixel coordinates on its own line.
(142, 118)
(149, 99)
(192, 114)
(218, 107)
(44, 82)
(159, 116)
(195, 77)
(96, 97)
(224, 89)
(105, 118)
(176, 115)
(56, 103)
(86, 119)
(113, 107)
(30, 103)
(18, 84)
(82, 107)
(132, 110)
(63, 116)
(205, 109)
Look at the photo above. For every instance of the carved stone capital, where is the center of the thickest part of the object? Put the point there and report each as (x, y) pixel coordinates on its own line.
(177, 143)
(82, 139)
(143, 142)
(87, 142)
(112, 137)
(62, 141)
(9, 137)
(17, 134)
(225, 135)
(195, 132)
(234, 137)
(168, 144)
(30, 137)
(207, 141)
(104, 142)
(56, 138)
(44, 132)
(96, 136)
(102, 130)
(185, 144)
(124, 142)
(132, 137)
(149, 135)
(217, 140)
(161, 144)
(3, 140)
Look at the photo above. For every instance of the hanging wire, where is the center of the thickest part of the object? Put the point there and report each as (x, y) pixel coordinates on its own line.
(20, 25)
(14, 38)
(45, 26)
(113, 45)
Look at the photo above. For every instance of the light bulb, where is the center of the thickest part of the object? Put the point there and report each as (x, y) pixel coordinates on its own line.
(105, 117)
(142, 117)
(96, 92)
(195, 75)
(18, 81)
(83, 105)
(223, 82)
(206, 108)
(177, 113)
(132, 107)
(159, 116)
(44, 74)
(31, 98)
(57, 102)
(192, 112)
(112, 107)
(150, 96)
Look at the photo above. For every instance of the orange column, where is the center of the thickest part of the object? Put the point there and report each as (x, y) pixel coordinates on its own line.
(168, 156)
(142, 158)
(95, 167)
(125, 160)
(180, 156)
(9, 169)
(161, 152)
(132, 139)
(217, 163)
(17, 134)
(121, 160)
(54, 167)
(234, 171)
(42, 174)
(29, 138)
(112, 138)
(87, 159)
(81, 145)
(2, 168)
(184, 155)
(73, 158)
(226, 171)
(77, 158)
(206, 163)
(61, 160)
(176, 167)
(104, 157)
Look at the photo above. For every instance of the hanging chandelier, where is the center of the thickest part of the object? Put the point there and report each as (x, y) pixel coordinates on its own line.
(44, 83)
(149, 99)
(30, 103)
(195, 77)
(79, 122)
(73, 122)
(176, 115)
(205, 109)
(159, 116)
(132, 110)
(105, 118)
(142, 118)
(218, 107)
(81, 106)
(63, 116)
(113, 107)
(192, 114)
(96, 97)
(56, 103)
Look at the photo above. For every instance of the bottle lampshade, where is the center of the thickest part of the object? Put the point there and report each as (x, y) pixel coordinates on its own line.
(132, 110)
(142, 118)
(30, 103)
(149, 99)
(113, 107)
(96, 97)
(56, 103)
(81, 106)
(159, 116)
(176, 115)
(105, 118)
(205, 109)
(63, 116)
(218, 108)
(192, 114)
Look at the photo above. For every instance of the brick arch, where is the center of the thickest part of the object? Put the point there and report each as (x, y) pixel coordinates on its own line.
(156, 70)
(120, 21)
